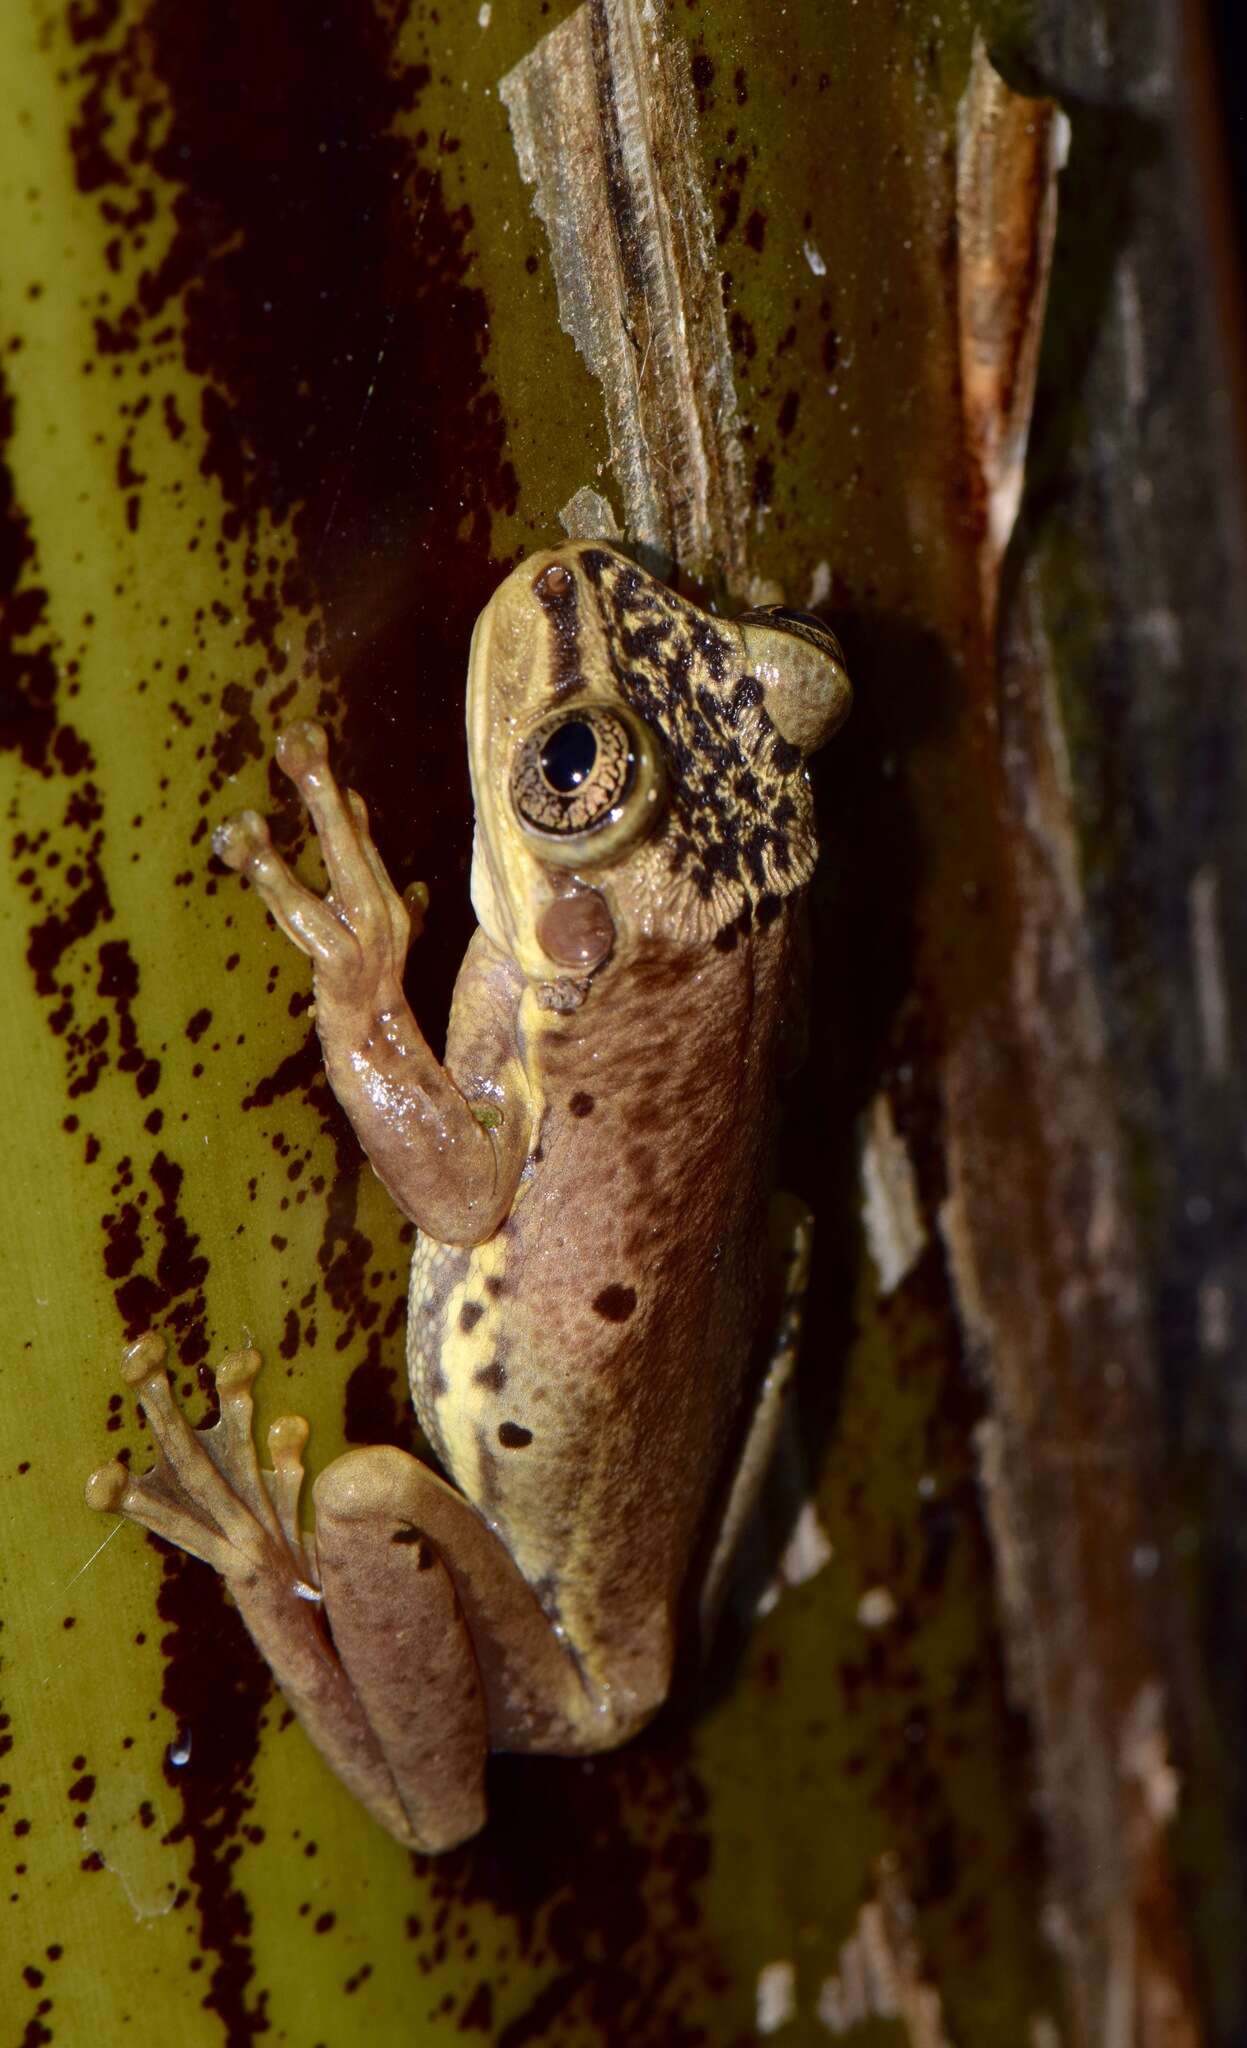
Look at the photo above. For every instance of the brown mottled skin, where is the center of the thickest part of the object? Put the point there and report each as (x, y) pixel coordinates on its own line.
(653, 1206)
(589, 1170)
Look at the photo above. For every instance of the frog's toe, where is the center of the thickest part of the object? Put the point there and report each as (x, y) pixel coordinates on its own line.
(241, 839)
(206, 1492)
(302, 749)
(106, 1487)
(404, 913)
(286, 1439)
(362, 895)
(243, 842)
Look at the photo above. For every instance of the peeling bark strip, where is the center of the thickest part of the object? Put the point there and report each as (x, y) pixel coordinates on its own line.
(1009, 150)
(602, 116)
(880, 1974)
(1037, 1227)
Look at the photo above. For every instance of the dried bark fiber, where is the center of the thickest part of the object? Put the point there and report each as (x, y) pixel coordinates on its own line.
(1037, 1222)
(604, 125)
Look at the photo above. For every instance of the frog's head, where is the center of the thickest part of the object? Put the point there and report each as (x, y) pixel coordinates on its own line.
(638, 766)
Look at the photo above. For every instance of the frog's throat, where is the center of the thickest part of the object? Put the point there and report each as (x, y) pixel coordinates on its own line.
(509, 924)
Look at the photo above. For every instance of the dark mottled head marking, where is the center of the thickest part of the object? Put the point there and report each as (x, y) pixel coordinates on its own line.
(581, 1104)
(555, 590)
(785, 756)
(470, 1315)
(512, 1437)
(740, 820)
(615, 1302)
(493, 1376)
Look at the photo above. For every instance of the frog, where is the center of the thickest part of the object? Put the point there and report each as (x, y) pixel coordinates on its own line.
(605, 1292)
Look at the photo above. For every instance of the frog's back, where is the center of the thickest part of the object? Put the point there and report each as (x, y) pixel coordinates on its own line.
(581, 1372)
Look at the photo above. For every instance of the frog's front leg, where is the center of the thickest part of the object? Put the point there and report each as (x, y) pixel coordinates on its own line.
(446, 1170)
(436, 1650)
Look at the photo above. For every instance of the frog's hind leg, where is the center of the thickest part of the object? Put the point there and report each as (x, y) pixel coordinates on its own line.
(376, 1506)
(410, 1747)
(791, 1229)
(436, 1649)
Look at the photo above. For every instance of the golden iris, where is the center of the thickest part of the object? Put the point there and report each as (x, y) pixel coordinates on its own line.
(573, 771)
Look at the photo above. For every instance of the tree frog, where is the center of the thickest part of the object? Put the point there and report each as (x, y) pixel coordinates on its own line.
(601, 1323)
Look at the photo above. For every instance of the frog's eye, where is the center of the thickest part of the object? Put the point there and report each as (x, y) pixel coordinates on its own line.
(784, 618)
(797, 660)
(585, 781)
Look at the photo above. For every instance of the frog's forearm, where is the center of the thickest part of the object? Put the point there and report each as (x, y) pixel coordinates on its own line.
(450, 1174)
(446, 1169)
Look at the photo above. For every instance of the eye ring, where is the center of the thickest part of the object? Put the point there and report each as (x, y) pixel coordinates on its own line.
(585, 781)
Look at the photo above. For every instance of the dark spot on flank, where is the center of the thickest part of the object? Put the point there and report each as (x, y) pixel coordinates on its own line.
(616, 1303)
(512, 1437)
(581, 1104)
(493, 1286)
(470, 1315)
(493, 1375)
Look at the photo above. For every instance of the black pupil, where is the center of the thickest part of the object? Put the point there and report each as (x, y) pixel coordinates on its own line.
(796, 618)
(569, 755)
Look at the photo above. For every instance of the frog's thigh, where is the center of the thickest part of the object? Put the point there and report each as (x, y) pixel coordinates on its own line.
(419, 1591)
(791, 1231)
(400, 1632)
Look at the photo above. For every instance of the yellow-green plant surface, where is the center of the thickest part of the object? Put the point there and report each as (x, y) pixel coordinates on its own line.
(285, 393)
